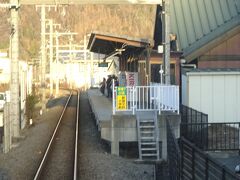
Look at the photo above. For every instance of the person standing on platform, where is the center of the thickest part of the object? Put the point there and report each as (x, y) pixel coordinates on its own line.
(109, 81)
(102, 86)
(116, 81)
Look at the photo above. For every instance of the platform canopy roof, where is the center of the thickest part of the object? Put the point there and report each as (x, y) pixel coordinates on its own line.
(111, 45)
(68, 2)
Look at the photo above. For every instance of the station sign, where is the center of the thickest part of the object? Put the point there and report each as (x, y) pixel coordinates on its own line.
(132, 78)
(121, 98)
(103, 64)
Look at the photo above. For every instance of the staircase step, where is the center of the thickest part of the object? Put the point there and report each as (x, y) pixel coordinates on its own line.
(148, 143)
(147, 124)
(148, 149)
(146, 121)
(149, 154)
(142, 127)
(147, 138)
(147, 132)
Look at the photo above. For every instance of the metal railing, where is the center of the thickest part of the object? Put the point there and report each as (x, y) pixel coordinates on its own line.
(149, 98)
(213, 136)
(166, 96)
(209, 136)
(193, 126)
(196, 164)
(190, 115)
(174, 154)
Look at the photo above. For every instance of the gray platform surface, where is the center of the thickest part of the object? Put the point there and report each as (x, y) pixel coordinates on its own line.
(101, 105)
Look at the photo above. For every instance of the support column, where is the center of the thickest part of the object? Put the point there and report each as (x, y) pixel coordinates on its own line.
(166, 40)
(114, 138)
(148, 66)
(14, 83)
(92, 71)
(163, 136)
(85, 62)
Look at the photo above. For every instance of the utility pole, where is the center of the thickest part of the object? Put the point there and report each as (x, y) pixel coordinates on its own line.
(71, 63)
(57, 64)
(43, 51)
(51, 50)
(166, 40)
(51, 35)
(43, 55)
(51, 54)
(57, 35)
(14, 84)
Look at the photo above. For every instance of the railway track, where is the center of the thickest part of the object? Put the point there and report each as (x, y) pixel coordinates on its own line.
(60, 158)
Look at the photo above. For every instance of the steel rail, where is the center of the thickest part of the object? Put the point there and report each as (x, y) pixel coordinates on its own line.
(76, 142)
(37, 175)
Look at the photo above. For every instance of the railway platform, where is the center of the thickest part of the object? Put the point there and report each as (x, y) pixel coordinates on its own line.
(122, 127)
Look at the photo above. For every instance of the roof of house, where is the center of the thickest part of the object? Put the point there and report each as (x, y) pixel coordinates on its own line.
(212, 71)
(201, 25)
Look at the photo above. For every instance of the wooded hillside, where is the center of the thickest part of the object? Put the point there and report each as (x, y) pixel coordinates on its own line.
(131, 20)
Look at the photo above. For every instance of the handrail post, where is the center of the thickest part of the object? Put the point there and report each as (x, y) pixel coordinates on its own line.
(177, 97)
(133, 94)
(113, 97)
(159, 99)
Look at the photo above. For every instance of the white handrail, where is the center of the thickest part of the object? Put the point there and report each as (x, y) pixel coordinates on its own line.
(157, 97)
(113, 97)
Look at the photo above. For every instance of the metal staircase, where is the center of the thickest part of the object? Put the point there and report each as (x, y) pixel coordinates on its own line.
(148, 136)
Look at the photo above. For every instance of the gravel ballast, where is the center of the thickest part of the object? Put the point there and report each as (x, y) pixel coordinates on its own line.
(95, 160)
(22, 161)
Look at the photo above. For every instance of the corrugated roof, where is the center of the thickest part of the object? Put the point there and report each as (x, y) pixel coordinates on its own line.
(198, 22)
(109, 44)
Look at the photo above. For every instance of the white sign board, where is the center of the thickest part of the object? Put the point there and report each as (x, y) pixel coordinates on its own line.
(160, 49)
(132, 78)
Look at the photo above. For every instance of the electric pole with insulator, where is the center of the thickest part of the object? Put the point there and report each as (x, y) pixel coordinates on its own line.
(166, 40)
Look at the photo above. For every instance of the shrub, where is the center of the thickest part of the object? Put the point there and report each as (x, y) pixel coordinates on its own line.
(31, 101)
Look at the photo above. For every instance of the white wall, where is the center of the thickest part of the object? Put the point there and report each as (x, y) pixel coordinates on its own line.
(184, 90)
(25, 81)
(5, 70)
(217, 95)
